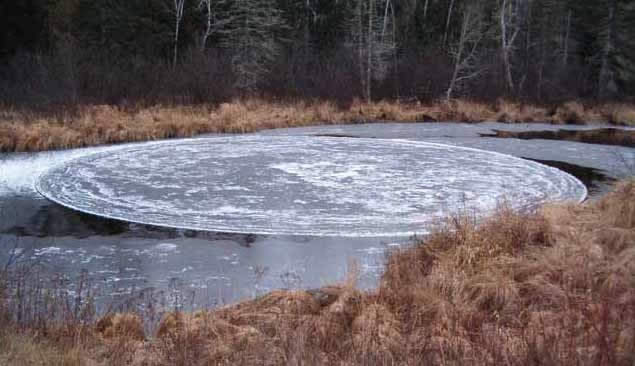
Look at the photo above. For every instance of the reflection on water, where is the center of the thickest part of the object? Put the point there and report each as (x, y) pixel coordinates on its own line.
(602, 136)
(595, 180)
(54, 220)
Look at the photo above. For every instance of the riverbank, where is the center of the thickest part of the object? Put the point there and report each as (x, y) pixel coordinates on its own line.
(91, 125)
(554, 287)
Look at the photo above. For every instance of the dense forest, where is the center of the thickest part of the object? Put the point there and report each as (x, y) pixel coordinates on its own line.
(207, 51)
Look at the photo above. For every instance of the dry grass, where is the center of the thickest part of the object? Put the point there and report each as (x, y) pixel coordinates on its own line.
(102, 124)
(621, 114)
(23, 350)
(555, 287)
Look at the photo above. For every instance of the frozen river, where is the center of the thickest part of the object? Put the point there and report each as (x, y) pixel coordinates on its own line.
(322, 205)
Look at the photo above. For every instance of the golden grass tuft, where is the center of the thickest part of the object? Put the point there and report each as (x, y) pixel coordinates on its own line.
(570, 113)
(512, 112)
(618, 113)
(26, 350)
(121, 326)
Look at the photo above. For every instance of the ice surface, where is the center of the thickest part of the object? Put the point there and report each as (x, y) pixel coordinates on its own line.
(300, 185)
(615, 161)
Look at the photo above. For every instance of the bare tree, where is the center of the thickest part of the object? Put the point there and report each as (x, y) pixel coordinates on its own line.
(213, 24)
(312, 17)
(178, 17)
(206, 5)
(251, 36)
(359, 38)
(510, 25)
(553, 43)
(606, 78)
(447, 21)
(465, 52)
(374, 37)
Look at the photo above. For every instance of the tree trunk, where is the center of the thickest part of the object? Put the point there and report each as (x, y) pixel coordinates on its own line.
(394, 53)
(567, 34)
(385, 22)
(541, 67)
(176, 45)
(506, 46)
(369, 66)
(178, 15)
(425, 10)
(457, 62)
(208, 25)
(465, 51)
(361, 45)
(606, 76)
(447, 22)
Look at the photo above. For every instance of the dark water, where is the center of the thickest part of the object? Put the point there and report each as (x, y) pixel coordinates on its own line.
(122, 260)
(600, 136)
(595, 180)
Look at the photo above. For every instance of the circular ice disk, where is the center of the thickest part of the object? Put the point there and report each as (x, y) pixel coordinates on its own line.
(300, 185)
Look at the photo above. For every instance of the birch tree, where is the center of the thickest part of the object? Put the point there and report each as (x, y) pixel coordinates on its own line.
(447, 21)
(206, 6)
(374, 38)
(465, 52)
(510, 26)
(213, 23)
(178, 17)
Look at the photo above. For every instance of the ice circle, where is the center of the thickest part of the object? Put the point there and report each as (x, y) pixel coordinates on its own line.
(300, 185)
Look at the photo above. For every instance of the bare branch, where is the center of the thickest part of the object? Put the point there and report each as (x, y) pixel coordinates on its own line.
(465, 50)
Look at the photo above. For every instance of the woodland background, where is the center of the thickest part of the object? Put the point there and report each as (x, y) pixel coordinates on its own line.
(64, 52)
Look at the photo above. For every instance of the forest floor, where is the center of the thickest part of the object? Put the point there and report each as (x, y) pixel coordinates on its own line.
(90, 125)
(555, 287)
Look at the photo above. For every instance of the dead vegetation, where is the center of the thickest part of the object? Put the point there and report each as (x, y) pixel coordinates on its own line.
(103, 124)
(555, 287)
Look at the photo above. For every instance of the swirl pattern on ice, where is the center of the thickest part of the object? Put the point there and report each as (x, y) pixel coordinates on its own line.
(300, 185)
